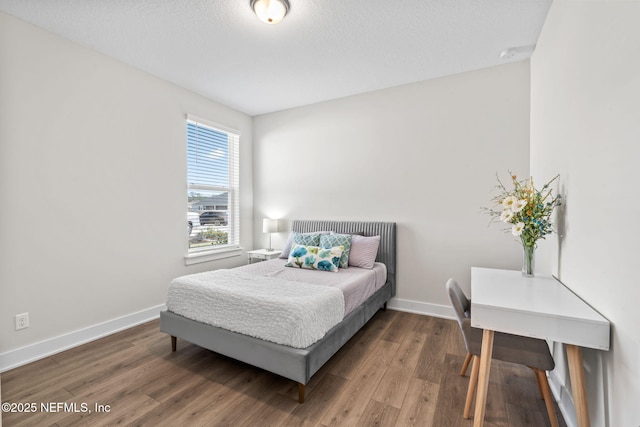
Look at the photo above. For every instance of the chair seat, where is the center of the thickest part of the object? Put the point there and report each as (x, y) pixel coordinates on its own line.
(532, 352)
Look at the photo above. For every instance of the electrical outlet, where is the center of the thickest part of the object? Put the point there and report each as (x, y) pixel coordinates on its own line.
(22, 321)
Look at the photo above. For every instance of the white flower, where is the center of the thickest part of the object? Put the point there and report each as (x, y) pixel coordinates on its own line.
(506, 216)
(520, 204)
(508, 202)
(516, 230)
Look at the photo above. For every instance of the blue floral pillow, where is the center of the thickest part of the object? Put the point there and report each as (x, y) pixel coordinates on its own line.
(315, 257)
(331, 240)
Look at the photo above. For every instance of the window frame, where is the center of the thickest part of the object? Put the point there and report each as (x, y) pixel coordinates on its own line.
(208, 253)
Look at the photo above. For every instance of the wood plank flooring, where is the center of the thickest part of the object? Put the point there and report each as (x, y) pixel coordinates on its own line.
(401, 369)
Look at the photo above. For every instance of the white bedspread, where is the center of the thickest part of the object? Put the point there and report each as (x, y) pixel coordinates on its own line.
(357, 284)
(295, 314)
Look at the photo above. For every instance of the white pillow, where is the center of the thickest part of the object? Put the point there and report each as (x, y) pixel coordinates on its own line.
(364, 250)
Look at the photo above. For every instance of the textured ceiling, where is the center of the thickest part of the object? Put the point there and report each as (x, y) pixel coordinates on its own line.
(323, 49)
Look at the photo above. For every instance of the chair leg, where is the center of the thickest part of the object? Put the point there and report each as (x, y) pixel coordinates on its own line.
(465, 365)
(535, 371)
(473, 383)
(546, 394)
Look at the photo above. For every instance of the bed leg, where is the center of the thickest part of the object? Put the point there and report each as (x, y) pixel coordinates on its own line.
(174, 341)
(300, 393)
(384, 307)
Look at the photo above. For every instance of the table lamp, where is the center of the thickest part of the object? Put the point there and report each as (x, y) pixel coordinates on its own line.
(269, 226)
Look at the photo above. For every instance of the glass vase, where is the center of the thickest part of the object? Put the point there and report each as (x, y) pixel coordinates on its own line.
(528, 260)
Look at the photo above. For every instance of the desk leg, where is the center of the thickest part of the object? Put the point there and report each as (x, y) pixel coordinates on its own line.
(576, 371)
(486, 354)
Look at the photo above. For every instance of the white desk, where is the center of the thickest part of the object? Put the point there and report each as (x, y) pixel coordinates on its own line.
(539, 307)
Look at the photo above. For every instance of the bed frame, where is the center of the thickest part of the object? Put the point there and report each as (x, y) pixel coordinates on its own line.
(297, 364)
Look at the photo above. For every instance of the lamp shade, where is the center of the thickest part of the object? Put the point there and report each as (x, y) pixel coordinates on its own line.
(269, 225)
(270, 11)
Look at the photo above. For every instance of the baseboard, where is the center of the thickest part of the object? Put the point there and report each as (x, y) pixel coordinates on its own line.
(22, 356)
(417, 307)
(563, 397)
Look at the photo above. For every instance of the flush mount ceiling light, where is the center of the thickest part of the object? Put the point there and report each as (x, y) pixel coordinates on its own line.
(270, 11)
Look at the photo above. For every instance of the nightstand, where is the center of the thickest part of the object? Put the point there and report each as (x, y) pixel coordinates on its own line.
(263, 255)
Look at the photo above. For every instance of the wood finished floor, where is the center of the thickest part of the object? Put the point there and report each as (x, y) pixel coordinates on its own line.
(401, 369)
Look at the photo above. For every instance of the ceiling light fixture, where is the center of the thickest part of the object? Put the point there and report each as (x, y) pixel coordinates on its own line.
(270, 11)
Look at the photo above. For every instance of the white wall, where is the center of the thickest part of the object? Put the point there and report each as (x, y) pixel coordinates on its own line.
(92, 184)
(423, 155)
(585, 114)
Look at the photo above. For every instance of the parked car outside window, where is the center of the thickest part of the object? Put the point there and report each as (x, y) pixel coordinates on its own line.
(213, 218)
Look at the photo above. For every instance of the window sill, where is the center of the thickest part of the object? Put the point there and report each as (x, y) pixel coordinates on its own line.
(211, 255)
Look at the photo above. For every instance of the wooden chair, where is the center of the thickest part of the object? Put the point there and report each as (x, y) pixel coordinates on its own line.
(530, 352)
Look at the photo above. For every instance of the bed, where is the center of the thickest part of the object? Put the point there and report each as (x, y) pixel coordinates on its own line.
(297, 364)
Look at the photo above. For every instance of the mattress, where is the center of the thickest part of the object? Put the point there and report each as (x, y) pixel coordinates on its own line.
(266, 300)
(357, 284)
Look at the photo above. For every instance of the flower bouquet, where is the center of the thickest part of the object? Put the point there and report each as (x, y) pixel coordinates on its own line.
(528, 210)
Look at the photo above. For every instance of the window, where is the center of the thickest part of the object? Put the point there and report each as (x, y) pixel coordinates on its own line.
(213, 212)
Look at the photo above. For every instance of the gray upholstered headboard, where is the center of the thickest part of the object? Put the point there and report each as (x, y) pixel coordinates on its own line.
(386, 231)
